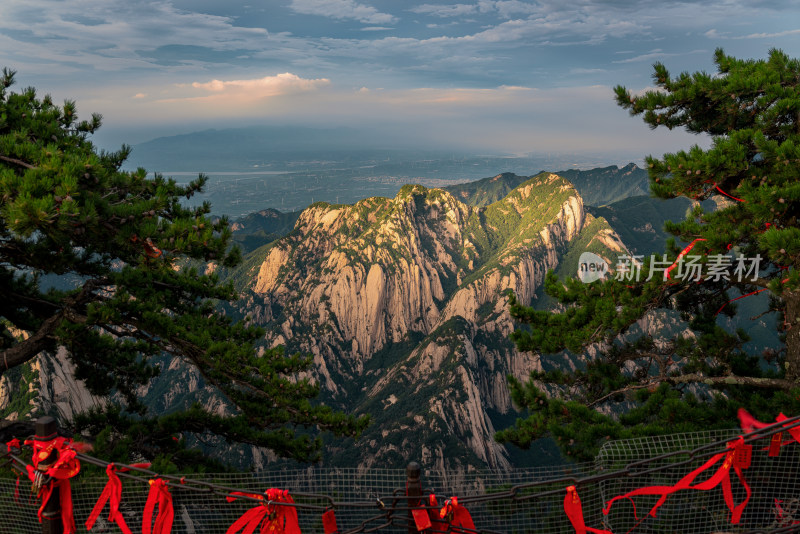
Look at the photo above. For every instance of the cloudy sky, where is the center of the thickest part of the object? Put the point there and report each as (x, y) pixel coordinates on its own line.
(513, 75)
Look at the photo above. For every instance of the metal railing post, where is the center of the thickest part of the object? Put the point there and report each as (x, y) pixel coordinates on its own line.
(413, 492)
(47, 430)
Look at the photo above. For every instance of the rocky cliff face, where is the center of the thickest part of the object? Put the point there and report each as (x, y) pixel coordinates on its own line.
(403, 303)
(45, 386)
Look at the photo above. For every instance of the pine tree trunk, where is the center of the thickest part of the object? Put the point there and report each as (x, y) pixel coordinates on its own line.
(792, 323)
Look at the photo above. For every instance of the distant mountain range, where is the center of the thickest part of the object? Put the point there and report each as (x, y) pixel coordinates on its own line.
(291, 148)
(242, 148)
(597, 187)
(603, 186)
(402, 302)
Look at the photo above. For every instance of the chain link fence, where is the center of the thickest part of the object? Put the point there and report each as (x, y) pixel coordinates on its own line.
(520, 501)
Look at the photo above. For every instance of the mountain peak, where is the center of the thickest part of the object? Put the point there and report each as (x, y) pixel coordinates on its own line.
(403, 304)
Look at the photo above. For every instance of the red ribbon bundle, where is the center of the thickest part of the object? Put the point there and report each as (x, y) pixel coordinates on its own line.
(65, 467)
(737, 457)
(434, 517)
(574, 511)
(112, 493)
(456, 516)
(273, 518)
(159, 495)
(751, 424)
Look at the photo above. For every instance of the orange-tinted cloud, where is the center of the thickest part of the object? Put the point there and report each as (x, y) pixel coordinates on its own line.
(281, 84)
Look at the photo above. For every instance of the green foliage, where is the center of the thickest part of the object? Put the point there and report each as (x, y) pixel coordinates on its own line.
(597, 187)
(639, 221)
(262, 227)
(751, 110)
(481, 193)
(606, 185)
(67, 210)
(512, 225)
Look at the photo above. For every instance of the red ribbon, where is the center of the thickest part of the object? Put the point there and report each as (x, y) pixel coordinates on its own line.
(746, 295)
(159, 495)
(15, 444)
(150, 249)
(273, 518)
(574, 511)
(683, 253)
(733, 458)
(727, 195)
(751, 424)
(113, 493)
(435, 518)
(780, 513)
(65, 467)
(329, 522)
(456, 515)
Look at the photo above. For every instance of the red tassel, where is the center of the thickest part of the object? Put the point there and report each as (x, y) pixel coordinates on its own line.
(65, 496)
(249, 520)
(113, 493)
(280, 519)
(159, 495)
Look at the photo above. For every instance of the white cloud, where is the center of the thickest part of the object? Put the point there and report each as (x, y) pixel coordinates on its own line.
(445, 10)
(214, 99)
(580, 70)
(714, 34)
(657, 55)
(119, 36)
(650, 56)
(509, 8)
(485, 6)
(342, 9)
(140, 95)
(769, 35)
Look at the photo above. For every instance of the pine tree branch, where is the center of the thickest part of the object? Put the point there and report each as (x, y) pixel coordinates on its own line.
(732, 380)
(33, 345)
(17, 162)
(630, 387)
(694, 378)
(44, 336)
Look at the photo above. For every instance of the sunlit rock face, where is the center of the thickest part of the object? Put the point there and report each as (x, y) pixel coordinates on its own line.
(403, 304)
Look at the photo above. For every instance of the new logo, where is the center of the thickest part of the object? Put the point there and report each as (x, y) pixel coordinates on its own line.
(591, 268)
